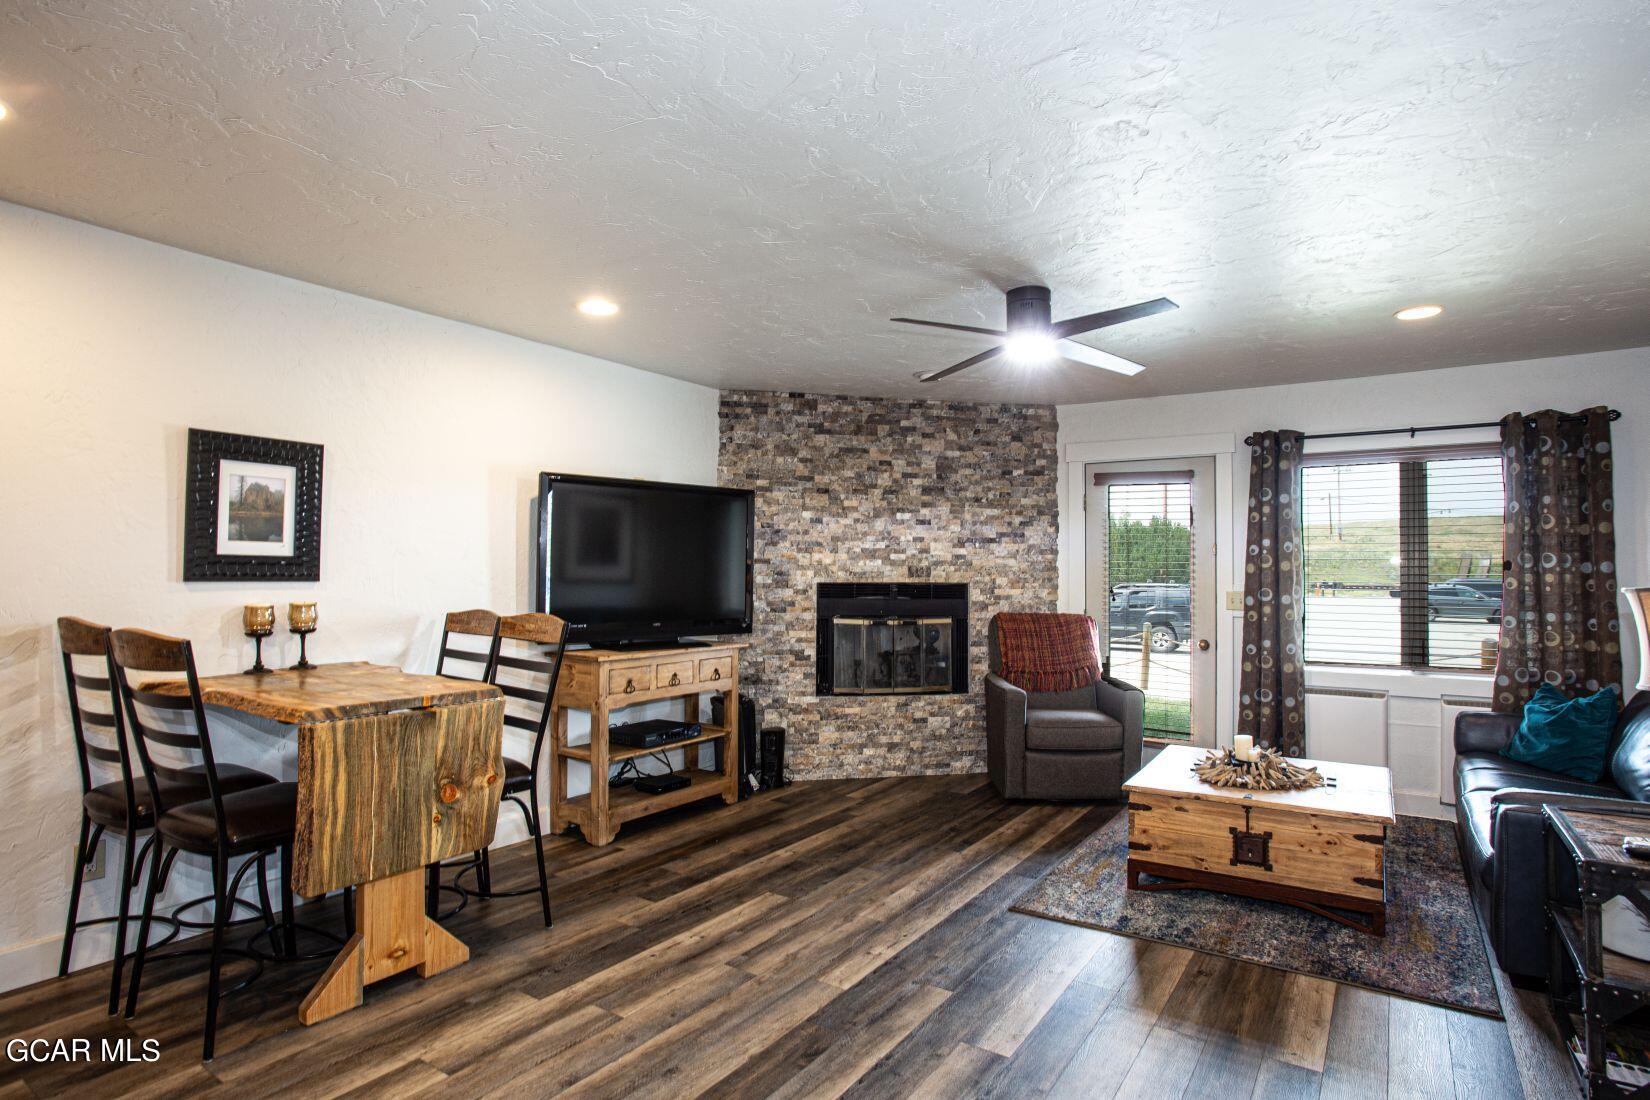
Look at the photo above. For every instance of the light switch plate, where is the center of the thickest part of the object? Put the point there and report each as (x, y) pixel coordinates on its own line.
(1234, 601)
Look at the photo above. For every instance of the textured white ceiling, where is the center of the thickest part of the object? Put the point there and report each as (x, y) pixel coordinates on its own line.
(762, 183)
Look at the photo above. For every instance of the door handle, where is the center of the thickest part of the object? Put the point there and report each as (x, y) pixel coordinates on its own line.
(1203, 644)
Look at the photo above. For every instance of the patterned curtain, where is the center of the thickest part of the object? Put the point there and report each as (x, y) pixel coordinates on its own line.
(1272, 692)
(1559, 621)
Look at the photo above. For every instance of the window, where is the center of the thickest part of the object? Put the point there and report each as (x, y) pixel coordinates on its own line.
(1403, 559)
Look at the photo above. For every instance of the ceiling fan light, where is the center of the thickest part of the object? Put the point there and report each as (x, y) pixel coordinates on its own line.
(1418, 313)
(1031, 349)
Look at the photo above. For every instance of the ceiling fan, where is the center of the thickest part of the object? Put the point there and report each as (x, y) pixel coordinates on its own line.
(1032, 337)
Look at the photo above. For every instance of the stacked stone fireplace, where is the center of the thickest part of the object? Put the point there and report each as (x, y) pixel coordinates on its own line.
(867, 496)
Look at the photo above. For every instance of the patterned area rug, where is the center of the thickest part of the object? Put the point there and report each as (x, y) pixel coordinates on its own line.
(1432, 950)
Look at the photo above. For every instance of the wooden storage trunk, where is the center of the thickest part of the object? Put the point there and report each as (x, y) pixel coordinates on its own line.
(1322, 849)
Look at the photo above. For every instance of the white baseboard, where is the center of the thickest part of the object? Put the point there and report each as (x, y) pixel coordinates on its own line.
(26, 963)
(1421, 804)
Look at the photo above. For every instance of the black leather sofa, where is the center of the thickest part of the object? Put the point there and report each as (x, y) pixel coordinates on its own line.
(1499, 826)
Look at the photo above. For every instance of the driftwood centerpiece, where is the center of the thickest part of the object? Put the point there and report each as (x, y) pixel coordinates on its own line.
(1267, 772)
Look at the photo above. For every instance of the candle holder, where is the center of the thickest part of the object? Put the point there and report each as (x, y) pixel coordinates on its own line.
(258, 621)
(301, 620)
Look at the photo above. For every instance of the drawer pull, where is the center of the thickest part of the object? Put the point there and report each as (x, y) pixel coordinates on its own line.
(675, 678)
(629, 687)
(715, 674)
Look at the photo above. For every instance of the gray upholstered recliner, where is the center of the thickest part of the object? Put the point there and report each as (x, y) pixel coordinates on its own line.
(1080, 744)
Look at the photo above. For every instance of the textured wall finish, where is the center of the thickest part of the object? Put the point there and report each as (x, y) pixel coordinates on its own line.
(852, 489)
(434, 432)
(762, 185)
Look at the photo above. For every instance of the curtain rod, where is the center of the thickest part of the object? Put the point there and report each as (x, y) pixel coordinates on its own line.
(1249, 440)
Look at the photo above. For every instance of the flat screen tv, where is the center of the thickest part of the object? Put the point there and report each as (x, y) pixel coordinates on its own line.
(644, 561)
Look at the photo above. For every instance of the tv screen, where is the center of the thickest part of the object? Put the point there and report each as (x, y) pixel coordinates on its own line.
(642, 561)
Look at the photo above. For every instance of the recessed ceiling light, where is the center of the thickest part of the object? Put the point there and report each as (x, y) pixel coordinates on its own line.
(598, 307)
(1418, 313)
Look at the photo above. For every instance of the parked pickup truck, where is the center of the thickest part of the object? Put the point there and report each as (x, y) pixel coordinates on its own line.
(1163, 609)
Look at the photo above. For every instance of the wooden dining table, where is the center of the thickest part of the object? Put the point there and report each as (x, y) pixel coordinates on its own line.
(395, 771)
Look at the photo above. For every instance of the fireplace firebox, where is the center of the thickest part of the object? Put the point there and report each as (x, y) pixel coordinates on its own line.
(892, 639)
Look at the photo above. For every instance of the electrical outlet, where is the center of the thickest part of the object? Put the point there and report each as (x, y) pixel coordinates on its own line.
(94, 869)
(1234, 601)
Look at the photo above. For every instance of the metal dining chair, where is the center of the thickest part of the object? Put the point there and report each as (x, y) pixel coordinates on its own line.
(527, 707)
(479, 626)
(231, 819)
(123, 805)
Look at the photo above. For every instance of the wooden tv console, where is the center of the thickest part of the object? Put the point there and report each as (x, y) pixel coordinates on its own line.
(603, 681)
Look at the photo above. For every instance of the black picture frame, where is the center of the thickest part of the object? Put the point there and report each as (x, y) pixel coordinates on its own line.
(202, 560)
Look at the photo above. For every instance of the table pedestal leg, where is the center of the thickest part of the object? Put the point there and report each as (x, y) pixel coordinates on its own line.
(392, 934)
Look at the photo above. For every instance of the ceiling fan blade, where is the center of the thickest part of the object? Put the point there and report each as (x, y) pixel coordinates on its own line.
(1094, 357)
(989, 353)
(1074, 325)
(942, 324)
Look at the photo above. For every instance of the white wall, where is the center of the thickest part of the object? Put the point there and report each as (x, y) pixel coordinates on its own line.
(112, 347)
(1398, 718)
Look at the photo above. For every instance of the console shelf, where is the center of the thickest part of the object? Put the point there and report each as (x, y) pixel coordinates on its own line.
(604, 681)
(616, 754)
(628, 804)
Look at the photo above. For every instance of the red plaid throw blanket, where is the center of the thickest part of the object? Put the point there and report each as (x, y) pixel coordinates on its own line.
(1048, 652)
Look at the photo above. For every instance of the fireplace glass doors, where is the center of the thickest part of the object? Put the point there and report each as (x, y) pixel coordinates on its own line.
(887, 656)
(892, 639)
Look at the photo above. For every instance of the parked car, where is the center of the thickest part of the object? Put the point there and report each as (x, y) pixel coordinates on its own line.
(1449, 600)
(1165, 610)
(1489, 586)
(1457, 601)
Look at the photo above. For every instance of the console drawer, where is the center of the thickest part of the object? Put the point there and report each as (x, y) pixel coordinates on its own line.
(715, 669)
(672, 673)
(626, 681)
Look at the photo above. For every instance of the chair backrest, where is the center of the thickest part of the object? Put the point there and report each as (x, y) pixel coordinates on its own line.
(477, 624)
(1083, 698)
(527, 706)
(99, 735)
(139, 653)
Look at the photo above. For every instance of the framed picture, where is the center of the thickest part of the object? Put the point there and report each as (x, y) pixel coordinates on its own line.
(252, 509)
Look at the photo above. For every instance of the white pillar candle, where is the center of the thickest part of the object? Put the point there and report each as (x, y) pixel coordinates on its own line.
(1243, 746)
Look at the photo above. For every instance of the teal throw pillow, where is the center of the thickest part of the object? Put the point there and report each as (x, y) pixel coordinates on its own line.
(1569, 736)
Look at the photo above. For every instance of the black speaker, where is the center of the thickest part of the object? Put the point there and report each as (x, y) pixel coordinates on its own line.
(750, 743)
(773, 758)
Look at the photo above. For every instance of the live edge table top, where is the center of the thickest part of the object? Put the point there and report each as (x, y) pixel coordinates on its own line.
(1358, 791)
(327, 693)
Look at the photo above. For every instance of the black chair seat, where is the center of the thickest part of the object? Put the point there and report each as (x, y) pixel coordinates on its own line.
(517, 775)
(106, 803)
(260, 817)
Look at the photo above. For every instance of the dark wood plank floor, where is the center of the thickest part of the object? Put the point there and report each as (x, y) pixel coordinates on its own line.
(832, 939)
